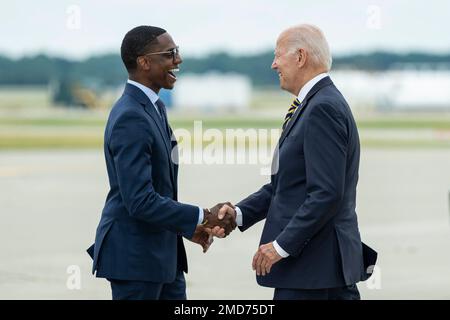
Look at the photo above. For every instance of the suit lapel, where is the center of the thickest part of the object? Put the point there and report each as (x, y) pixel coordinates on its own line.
(294, 118)
(176, 160)
(151, 111)
(319, 85)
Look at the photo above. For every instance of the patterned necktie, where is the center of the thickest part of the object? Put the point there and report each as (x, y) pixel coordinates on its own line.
(295, 104)
(163, 114)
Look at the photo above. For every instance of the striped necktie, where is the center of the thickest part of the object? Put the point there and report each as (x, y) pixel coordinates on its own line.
(295, 104)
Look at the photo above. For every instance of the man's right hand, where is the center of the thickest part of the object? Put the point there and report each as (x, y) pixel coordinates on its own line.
(220, 220)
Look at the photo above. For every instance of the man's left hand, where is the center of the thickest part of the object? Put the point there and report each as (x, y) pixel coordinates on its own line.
(264, 258)
(203, 238)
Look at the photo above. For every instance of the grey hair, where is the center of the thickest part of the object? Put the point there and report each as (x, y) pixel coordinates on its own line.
(312, 39)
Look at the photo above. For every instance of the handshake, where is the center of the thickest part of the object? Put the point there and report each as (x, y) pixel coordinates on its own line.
(218, 221)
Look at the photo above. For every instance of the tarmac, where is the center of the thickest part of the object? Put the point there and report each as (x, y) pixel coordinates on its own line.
(51, 202)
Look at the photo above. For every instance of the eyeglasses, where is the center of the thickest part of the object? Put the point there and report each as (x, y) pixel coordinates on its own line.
(172, 52)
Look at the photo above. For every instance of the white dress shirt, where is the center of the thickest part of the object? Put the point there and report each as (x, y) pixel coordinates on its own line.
(148, 92)
(308, 86)
(153, 98)
(301, 96)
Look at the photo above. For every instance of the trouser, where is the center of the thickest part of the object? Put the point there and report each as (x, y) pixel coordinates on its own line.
(146, 290)
(342, 293)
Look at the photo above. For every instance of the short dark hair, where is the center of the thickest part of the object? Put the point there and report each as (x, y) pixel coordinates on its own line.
(136, 42)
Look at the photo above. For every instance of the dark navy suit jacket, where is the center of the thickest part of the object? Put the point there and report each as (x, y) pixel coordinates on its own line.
(309, 205)
(139, 234)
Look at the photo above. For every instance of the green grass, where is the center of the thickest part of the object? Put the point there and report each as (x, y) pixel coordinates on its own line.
(402, 144)
(52, 122)
(219, 123)
(404, 124)
(97, 143)
(49, 142)
(232, 122)
(29, 141)
(87, 132)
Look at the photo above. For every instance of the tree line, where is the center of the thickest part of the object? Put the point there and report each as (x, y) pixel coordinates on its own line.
(107, 70)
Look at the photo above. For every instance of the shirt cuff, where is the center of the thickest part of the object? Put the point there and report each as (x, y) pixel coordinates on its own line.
(238, 216)
(280, 250)
(200, 215)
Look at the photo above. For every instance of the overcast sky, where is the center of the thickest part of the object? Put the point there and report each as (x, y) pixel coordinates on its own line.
(78, 29)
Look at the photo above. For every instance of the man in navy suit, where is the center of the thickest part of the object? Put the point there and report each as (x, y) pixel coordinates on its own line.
(310, 247)
(138, 245)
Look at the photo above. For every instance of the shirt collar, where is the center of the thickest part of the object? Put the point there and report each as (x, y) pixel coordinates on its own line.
(148, 92)
(308, 86)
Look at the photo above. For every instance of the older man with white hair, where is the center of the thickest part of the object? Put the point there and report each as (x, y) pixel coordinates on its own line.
(310, 247)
